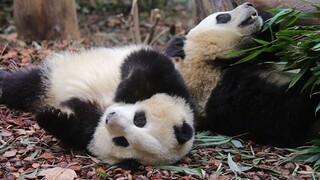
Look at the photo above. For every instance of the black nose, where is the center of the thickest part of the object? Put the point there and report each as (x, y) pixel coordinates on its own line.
(109, 116)
(249, 4)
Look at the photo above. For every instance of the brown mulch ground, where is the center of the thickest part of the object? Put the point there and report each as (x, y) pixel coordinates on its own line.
(28, 152)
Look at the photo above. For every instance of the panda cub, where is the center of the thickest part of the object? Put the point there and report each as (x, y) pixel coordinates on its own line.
(125, 103)
(250, 98)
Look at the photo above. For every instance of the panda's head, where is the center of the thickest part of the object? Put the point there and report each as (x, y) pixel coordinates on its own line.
(158, 130)
(222, 32)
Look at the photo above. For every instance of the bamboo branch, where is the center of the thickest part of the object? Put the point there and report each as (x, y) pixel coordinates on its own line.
(134, 17)
(154, 20)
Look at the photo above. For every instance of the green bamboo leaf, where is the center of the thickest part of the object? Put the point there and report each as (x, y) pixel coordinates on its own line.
(310, 150)
(257, 161)
(233, 53)
(215, 143)
(317, 164)
(289, 22)
(292, 32)
(318, 107)
(299, 158)
(199, 172)
(311, 81)
(299, 75)
(245, 168)
(233, 166)
(313, 158)
(279, 16)
(263, 42)
(316, 47)
(237, 143)
(250, 57)
(103, 174)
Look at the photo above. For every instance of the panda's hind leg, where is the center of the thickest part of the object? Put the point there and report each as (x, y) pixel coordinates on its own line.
(74, 129)
(21, 89)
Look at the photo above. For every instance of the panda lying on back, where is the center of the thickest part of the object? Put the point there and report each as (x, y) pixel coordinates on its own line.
(126, 103)
(245, 98)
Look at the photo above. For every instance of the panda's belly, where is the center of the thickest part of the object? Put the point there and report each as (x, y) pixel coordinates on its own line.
(92, 76)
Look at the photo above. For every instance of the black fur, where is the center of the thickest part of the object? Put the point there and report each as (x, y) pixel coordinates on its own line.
(21, 89)
(174, 47)
(130, 164)
(76, 129)
(183, 133)
(243, 102)
(147, 72)
(120, 141)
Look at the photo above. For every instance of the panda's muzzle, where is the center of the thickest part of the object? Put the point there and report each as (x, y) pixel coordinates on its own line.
(120, 141)
(110, 116)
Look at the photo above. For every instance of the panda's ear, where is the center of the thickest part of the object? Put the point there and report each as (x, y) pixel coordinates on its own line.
(183, 133)
(174, 47)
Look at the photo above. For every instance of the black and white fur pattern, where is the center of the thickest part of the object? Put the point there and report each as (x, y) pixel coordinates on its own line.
(125, 103)
(248, 98)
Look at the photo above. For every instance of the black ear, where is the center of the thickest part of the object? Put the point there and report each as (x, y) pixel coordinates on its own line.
(183, 133)
(174, 47)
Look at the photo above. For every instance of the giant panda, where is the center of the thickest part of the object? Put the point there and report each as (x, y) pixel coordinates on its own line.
(250, 98)
(122, 104)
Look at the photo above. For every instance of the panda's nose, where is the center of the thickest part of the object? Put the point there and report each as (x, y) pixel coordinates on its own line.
(249, 4)
(110, 116)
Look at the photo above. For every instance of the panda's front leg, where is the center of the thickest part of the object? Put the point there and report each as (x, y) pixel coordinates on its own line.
(63, 126)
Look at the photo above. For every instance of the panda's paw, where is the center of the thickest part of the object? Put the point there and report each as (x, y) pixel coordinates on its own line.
(49, 115)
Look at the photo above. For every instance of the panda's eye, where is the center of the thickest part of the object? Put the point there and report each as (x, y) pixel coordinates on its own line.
(223, 18)
(140, 119)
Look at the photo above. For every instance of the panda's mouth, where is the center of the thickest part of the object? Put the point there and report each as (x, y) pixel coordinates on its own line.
(250, 19)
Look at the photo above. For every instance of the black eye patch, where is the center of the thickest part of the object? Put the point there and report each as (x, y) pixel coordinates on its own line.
(120, 141)
(140, 119)
(223, 18)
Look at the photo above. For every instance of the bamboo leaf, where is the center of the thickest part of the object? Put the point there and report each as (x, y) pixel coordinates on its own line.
(237, 143)
(289, 22)
(311, 80)
(299, 75)
(233, 166)
(250, 57)
(317, 163)
(279, 16)
(318, 107)
(316, 47)
(199, 172)
(313, 158)
(263, 42)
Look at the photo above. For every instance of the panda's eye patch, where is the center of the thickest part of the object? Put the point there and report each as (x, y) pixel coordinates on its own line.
(140, 119)
(223, 18)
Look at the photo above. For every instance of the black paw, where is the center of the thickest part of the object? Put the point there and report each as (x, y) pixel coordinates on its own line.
(50, 117)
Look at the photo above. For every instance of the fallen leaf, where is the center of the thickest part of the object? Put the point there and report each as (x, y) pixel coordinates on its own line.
(58, 173)
(76, 168)
(11, 153)
(5, 133)
(47, 156)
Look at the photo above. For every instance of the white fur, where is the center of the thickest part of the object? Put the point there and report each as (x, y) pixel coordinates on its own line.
(238, 15)
(155, 143)
(90, 74)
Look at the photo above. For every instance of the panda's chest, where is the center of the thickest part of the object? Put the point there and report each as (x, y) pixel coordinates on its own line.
(201, 79)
